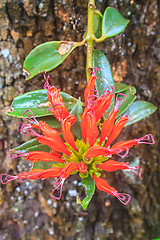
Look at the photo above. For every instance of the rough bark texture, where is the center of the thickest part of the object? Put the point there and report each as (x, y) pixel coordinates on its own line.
(27, 211)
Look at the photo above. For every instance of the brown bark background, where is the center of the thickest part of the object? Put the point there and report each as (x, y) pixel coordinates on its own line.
(26, 210)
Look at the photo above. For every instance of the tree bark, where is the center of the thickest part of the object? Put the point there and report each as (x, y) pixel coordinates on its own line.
(27, 211)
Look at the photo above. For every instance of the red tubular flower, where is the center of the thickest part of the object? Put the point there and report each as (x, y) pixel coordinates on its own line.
(111, 166)
(66, 129)
(56, 144)
(67, 170)
(82, 168)
(48, 131)
(59, 111)
(75, 158)
(96, 151)
(71, 167)
(116, 129)
(40, 174)
(102, 185)
(108, 125)
(36, 156)
(89, 87)
(88, 126)
(102, 104)
(125, 144)
(33, 174)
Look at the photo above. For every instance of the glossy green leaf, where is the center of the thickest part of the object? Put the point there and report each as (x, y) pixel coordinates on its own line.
(120, 87)
(129, 93)
(39, 147)
(113, 23)
(97, 24)
(46, 57)
(50, 120)
(32, 145)
(104, 76)
(42, 165)
(139, 110)
(28, 144)
(89, 184)
(37, 102)
(77, 111)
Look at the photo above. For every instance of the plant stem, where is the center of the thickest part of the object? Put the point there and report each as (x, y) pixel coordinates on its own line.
(90, 37)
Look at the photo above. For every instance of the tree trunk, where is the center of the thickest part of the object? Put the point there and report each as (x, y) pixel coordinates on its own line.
(27, 210)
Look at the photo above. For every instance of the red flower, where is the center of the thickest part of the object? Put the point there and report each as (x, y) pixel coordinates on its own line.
(36, 156)
(88, 126)
(87, 155)
(102, 185)
(66, 129)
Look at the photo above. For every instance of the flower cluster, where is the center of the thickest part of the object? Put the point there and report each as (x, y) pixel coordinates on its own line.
(87, 156)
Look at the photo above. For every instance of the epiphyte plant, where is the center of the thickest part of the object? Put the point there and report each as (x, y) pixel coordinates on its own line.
(70, 136)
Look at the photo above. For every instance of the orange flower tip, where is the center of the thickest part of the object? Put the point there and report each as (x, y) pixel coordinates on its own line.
(123, 197)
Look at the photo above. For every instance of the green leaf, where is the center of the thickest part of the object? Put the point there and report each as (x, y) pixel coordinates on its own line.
(97, 24)
(89, 184)
(39, 147)
(47, 56)
(32, 145)
(113, 23)
(68, 100)
(42, 165)
(50, 120)
(37, 102)
(77, 111)
(129, 93)
(104, 76)
(27, 144)
(139, 110)
(120, 87)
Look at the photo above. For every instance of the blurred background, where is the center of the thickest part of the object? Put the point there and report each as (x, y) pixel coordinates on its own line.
(26, 209)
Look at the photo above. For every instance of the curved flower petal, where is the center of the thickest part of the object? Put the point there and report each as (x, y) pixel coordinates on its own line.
(111, 166)
(89, 127)
(36, 156)
(102, 104)
(66, 129)
(116, 129)
(96, 151)
(102, 185)
(56, 144)
(125, 144)
(108, 125)
(60, 111)
(89, 87)
(47, 130)
(41, 173)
